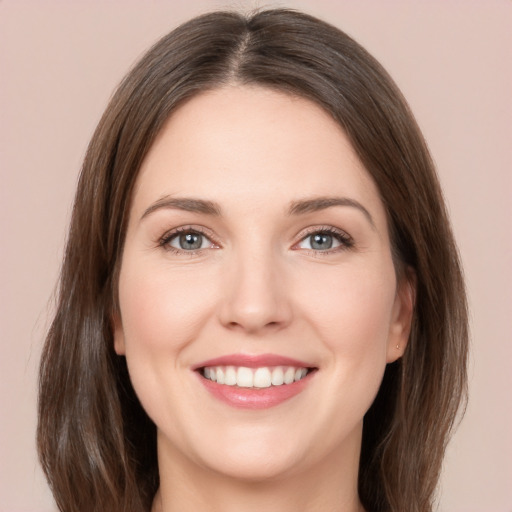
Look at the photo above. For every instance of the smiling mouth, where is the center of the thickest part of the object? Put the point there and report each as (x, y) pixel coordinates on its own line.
(255, 378)
(254, 381)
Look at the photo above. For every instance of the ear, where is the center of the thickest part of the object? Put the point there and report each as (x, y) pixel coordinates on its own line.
(117, 328)
(401, 320)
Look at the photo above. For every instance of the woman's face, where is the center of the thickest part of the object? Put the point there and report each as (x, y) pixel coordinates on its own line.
(258, 299)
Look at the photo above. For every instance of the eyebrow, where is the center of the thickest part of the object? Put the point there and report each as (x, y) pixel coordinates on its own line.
(322, 203)
(185, 204)
(296, 207)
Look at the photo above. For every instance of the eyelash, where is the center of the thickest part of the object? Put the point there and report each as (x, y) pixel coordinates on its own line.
(169, 235)
(345, 240)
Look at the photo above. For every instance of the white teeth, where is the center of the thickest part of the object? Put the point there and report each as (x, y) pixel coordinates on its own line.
(277, 376)
(230, 377)
(210, 373)
(263, 377)
(300, 373)
(289, 375)
(244, 377)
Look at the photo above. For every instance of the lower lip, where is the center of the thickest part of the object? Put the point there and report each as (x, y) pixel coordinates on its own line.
(255, 398)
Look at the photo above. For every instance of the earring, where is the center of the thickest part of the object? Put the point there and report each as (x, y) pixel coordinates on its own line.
(398, 347)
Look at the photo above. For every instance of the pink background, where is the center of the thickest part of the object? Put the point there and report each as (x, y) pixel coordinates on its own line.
(59, 62)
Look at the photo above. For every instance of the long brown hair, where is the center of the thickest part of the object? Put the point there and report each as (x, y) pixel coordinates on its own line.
(96, 443)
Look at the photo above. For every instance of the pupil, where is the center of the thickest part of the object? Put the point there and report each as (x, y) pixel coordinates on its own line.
(321, 241)
(190, 241)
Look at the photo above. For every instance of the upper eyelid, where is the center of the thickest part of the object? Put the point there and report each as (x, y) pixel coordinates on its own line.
(345, 239)
(323, 229)
(187, 228)
(304, 233)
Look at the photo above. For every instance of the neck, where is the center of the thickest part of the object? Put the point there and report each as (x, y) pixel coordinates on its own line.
(329, 485)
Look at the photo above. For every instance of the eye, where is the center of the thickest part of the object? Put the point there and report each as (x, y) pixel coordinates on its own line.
(189, 241)
(319, 242)
(186, 240)
(323, 240)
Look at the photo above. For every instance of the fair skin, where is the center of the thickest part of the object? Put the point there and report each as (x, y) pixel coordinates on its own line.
(258, 266)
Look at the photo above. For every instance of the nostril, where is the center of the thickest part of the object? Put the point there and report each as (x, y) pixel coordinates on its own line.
(253, 325)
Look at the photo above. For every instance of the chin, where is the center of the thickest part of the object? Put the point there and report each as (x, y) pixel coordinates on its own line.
(255, 468)
(247, 453)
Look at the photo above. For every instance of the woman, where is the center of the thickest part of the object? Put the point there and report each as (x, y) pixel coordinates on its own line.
(261, 304)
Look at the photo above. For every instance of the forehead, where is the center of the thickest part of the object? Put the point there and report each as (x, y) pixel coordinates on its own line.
(255, 147)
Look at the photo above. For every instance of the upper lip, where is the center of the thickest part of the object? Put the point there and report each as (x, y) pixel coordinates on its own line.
(253, 361)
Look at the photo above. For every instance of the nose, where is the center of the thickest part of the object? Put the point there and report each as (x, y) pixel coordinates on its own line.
(256, 298)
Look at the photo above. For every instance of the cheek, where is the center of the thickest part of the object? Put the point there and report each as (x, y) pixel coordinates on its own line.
(351, 310)
(160, 309)
(162, 313)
